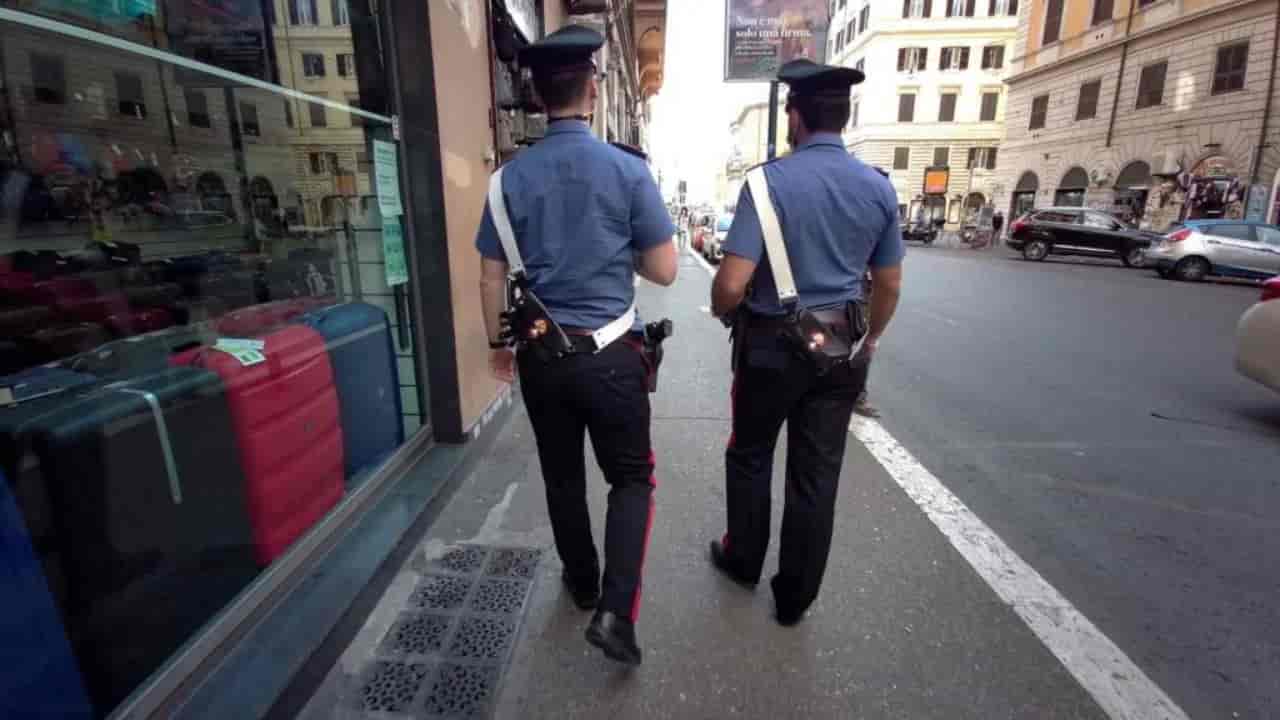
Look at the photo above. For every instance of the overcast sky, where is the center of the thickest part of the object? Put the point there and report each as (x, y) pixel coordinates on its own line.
(689, 136)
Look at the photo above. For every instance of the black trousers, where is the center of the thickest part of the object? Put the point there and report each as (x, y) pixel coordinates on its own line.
(772, 385)
(605, 395)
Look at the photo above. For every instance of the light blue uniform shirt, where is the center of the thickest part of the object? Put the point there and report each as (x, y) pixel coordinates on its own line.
(581, 209)
(839, 216)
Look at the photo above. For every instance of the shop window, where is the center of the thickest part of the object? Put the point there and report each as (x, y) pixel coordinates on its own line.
(990, 101)
(954, 58)
(901, 158)
(961, 8)
(941, 156)
(346, 64)
(48, 79)
(312, 65)
(303, 12)
(947, 108)
(1039, 111)
(249, 120)
(197, 109)
(1228, 75)
(1151, 85)
(130, 101)
(1052, 21)
(913, 59)
(1087, 105)
(993, 57)
(319, 118)
(906, 107)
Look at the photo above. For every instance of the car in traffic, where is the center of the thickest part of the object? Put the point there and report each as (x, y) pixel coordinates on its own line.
(1196, 249)
(1079, 231)
(1258, 338)
(713, 247)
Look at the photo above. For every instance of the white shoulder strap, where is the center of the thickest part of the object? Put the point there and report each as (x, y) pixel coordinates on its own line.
(502, 221)
(779, 261)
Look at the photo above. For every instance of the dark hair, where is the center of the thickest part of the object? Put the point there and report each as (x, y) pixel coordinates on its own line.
(560, 88)
(821, 113)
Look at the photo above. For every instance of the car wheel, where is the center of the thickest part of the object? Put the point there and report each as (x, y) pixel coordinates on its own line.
(1035, 250)
(1192, 269)
(1164, 273)
(1134, 257)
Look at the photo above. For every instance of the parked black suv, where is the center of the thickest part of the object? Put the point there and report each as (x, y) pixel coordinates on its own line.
(1078, 231)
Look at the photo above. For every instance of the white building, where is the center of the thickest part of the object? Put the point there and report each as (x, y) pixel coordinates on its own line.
(933, 97)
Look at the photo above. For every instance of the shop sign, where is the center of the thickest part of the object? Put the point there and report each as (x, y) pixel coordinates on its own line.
(936, 180)
(763, 35)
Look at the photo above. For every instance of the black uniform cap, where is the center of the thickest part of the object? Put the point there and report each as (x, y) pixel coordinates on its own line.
(806, 77)
(568, 48)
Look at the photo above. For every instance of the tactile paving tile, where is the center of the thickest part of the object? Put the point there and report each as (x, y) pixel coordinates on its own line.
(440, 592)
(482, 638)
(417, 634)
(461, 691)
(465, 559)
(513, 562)
(391, 686)
(504, 597)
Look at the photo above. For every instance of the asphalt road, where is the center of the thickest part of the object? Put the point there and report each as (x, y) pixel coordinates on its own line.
(1092, 417)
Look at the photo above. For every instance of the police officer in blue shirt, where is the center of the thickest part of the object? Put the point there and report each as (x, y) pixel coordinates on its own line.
(586, 216)
(837, 217)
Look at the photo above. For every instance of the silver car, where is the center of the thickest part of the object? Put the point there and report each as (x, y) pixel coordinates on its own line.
(1196, 249)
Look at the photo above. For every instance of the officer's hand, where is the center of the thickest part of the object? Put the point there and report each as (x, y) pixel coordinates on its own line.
(868, 349)
(502, 365)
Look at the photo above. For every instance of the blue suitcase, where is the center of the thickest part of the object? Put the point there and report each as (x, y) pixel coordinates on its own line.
(39, 678)
(358, 338)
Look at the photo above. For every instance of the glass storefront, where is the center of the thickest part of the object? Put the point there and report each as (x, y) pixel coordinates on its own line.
(205, 330)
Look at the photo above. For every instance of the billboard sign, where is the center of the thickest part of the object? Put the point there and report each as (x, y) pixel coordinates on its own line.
(763, 35)
(936, 180)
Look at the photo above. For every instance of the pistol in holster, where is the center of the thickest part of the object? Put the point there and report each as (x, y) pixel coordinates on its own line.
(829, 338)
(655, 333)
(527, 323)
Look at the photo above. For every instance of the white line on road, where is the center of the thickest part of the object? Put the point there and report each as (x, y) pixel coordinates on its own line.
(1118, 685)
(703, 262)
(936, 316)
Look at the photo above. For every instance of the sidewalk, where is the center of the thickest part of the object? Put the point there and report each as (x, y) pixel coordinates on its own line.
(903, 627)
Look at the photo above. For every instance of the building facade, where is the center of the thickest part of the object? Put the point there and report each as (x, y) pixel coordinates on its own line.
(240, 332)
(750, 133)
(1157, 111)
(931, 111)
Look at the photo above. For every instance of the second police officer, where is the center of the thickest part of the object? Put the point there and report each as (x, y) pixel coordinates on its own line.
(807, 227)
(582, 217)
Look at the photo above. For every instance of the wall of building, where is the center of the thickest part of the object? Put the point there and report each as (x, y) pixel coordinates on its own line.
(1192, 123)
(459, 40)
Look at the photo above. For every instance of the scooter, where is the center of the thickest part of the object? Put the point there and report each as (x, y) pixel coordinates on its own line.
(925, 232)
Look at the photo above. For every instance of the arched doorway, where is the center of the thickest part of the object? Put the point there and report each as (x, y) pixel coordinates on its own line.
(1024, 195)
(1133, 187)
(1071, 188)
(212, 192)
(1214, 191)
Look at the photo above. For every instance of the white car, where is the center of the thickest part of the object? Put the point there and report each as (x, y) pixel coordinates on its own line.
(713, 248)
(1258, 338)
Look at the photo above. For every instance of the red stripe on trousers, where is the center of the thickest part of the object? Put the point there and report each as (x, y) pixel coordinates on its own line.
(733, 397)
(648, 528)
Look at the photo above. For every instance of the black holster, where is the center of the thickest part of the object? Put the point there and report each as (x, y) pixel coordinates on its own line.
(527, 323)
(655, 333)
(828, 338)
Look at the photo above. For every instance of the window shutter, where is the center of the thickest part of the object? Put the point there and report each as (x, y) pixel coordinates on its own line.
(973, 154)
(971, 8)
(928, 8)
(991, 158)
(906, 8)
(943, 58)
(964, 58)
(902, 59)
(924, 59)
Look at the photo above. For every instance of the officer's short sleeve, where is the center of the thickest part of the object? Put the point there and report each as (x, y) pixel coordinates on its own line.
(487, 240)
(889, 249)
(650, 222)
(745, 238)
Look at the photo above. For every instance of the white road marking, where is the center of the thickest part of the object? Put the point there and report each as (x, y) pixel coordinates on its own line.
(936, 316)
(703, 262)
(1118, 685)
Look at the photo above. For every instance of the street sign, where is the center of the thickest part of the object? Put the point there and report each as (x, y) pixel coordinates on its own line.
(763, 35)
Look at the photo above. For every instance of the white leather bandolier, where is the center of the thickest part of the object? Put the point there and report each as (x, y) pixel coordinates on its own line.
(604, 336)
(776, 248)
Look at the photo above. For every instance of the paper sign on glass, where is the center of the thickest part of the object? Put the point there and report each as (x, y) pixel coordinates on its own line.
(386, 170)
(393, 251)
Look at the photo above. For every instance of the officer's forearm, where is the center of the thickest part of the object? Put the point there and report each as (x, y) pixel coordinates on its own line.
(493, 296)
(884, 301)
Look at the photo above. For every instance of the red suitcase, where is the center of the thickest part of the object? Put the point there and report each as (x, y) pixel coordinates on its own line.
(61, 289)
(16, 286)
(256, 320)
(286, 420)
(92, 309)
(137, 322)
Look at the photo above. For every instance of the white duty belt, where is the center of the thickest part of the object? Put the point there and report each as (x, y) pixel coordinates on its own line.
(603, 337)
(775, 247)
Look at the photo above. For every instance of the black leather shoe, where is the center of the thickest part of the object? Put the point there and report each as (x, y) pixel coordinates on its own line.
(720, 559)
(586, 598)
(785, 617)
(615, 636)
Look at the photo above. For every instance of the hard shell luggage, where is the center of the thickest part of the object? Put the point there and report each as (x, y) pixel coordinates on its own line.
(92, 309)
(191, 311)
(17, 322)
(237, 289)
(141, 353)
(63, 341)
(286, 419)
(252, 321)
(137, 322)
(39, 677)
(145, 488)
(358, 339)
(60, 289)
